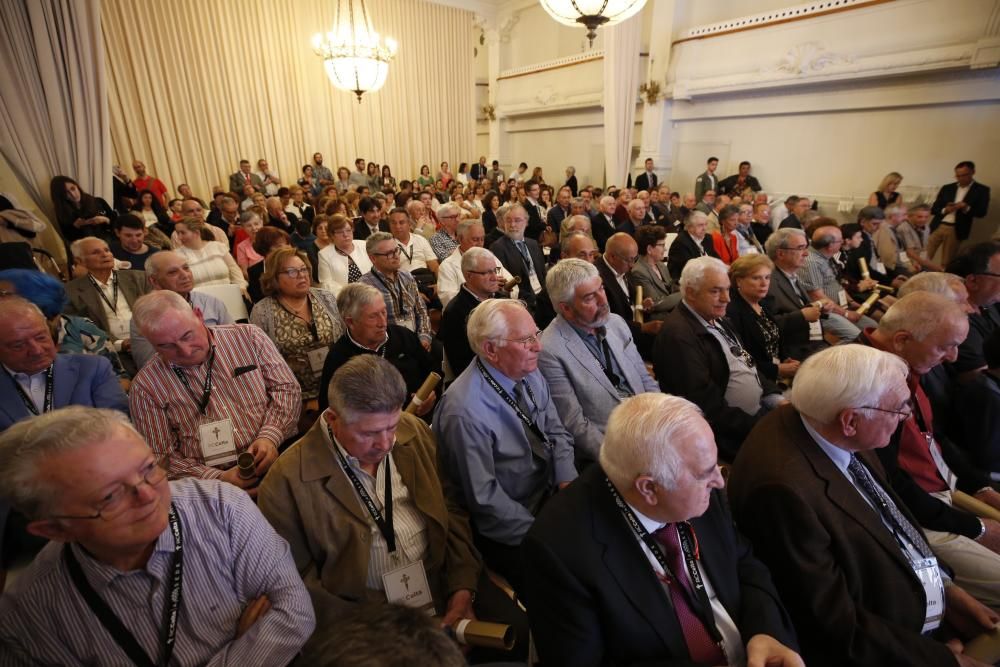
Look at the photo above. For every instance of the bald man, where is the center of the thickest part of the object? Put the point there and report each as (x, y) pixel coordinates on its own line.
(620, 255)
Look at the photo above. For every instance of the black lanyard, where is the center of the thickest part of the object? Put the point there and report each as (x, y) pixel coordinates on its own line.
(384, 524)
(397, 296)
(607, 365)
(311, 322)
(206, 389)
(121, 634)
(409, 257)
(509, 400)
(699, 602)
(113, 305)
(29, 403)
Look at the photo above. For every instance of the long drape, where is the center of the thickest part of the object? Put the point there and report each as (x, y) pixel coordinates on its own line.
(195, 86)
(621, 86)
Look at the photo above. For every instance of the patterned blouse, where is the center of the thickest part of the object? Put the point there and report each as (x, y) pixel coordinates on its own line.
(769, 328)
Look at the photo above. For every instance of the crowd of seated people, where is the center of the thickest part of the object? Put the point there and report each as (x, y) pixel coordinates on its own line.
(497, 398)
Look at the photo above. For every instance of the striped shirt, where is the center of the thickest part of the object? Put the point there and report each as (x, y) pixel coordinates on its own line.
(232, 556)
(263, 401)
(403, 302)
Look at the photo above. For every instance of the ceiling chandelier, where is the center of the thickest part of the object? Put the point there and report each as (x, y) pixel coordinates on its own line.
(591, 13)
(353, 54)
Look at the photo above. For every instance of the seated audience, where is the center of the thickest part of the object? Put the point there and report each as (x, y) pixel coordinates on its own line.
(445, 241)
(604, 225)
(321, 239)
(406, 307)
(588, 357)
(751, 315)
(209, 395)
(886, 239)
(148, 208)
(724, 240)
(693, 241)
(501, 444)
(613, 565)
(635, 217)
(761, 222)
(746, 240)
(192, 208)
(481, 281)
(871, 218)
(848, 558)
(104, 294)
(739, 183)
(913, 234)
(797, 207)
(520, 256)
(621, 253)
(130, 245)
(345, 260)
(302, 321)
(246, 256)
(367, 331)
(210, 261)
(820, 278)
(371, 219)
(80, 214)
(577, 245)
(450, 275)
(700, 357)
(105, 589)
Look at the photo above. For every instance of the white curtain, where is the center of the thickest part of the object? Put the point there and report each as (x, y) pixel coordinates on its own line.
(621, 90)
(194, 86)
(54, 108)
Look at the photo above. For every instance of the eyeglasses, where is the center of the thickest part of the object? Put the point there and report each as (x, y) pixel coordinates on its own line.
(300, 272)
(496, 271)
(343, 231)
(527, 341)
(900, 414)
(631, 260)
(114, 504)
(391, 253)
(798, 248)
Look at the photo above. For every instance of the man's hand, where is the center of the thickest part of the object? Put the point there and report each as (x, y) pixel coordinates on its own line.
(852, 315)
(990, 497)
(126, 344)
(647, 304)
(254, 611)
(233, 477)
(788, 368)
(811, 313)
(766, 651)
(427, 405)
(652, 327)
(459, 608)
(967, 615)
(867, 285)
(957, 648)
(426, 344)
(898, 282)
(264, 453)
(563, 485)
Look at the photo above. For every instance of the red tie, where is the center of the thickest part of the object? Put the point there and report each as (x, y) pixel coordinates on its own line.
(699, 642)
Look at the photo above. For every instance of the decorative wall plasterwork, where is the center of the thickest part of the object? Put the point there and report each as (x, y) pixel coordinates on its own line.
(783, 15)
(805, 59)
(551, 64)
(496, 31)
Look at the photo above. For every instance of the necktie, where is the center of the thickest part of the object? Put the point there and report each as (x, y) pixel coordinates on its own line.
(523, 402)
(523, 249)
(886, 508)
(699, 642)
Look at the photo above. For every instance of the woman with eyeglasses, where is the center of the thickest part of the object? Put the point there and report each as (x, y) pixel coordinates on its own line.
(650, 272)
(345, 260)
(302, 320)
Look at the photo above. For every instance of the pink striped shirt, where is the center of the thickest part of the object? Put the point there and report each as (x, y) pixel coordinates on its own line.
(263, 402)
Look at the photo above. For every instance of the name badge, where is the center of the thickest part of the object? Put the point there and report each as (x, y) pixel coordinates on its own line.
(902, 257)
(878, 266)
(929, 575)
(536, 286)
(842, 298)
(218, 445)
(946, 474)
(119, 328)
(408, 586)
(317, 357)
(815, 330)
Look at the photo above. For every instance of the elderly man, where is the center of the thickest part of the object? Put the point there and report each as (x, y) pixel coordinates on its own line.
(706, 204)
(269, 177)
(450, 276)
(956, 206)
(416, 251)
(692, 241)
(192, 208)
(588, 357)
(575, 223)
(577, 245)
(636, 210)
(481, 273)
(699, 356)
(604, 225)
(105, 295)
(445, 241)
(277, 217)
(848, 559)
(819, 277)
(169, 271)
(747, 242)
(638, 561)
(368, 332)
(797, 212)
(211, 394)
(402, 298)
(114, 585)
(500, 441)
(913, 234)
(521, 256)
(886, 239)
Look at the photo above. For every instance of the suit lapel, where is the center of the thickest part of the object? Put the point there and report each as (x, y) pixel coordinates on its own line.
(579, 349)
(319, 460)
(11, 403)
(64, 378)
(785, 285)
(634, 381)
(92, 301)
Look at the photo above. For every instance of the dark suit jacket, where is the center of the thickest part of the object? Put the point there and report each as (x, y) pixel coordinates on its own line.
(744, 320)
(452, 334)
(620, 303)
(866, 249)
(535, 223)
(787, 305)
(642, 182)
(689, 361)
(978, 199)
(511, 258)
(685, 248)
(478, 171)
(85, 300)
(727, 184)
(602, 228)
(792, 221)
(361, 232)
(594, 599)
(571, 183)
(78, 379)
(840, 572)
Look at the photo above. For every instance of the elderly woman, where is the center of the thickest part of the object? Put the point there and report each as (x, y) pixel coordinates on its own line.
(303, 321)
(750, 314)
(343, 181)
(650, 272)
(692, 241)
(571, 180)
(80, 214)
(210, 261)
(246, 256)
(345, 260)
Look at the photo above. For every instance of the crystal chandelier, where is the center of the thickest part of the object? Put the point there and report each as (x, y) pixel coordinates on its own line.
(353, 53)
(591, 13)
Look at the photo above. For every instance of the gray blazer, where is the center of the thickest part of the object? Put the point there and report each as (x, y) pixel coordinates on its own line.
(85, 301)
(656, 285)
(582, 393)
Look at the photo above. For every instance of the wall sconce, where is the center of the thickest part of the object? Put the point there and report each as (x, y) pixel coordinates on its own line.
(490, 112)
(651, 91)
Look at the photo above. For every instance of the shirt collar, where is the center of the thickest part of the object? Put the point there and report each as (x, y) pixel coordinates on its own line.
(505, 382)
(617, 275)
(19, 374)
(701, 319)
(651, 525)
(840, 457)
(362, 347)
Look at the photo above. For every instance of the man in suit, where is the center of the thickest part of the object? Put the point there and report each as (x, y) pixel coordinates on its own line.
(481, 281)
(245, 177)
(371, 219)
(647, 180)
(797, 207)
(979, 266)
(699, 356)
(691, 242)
(739, 183)
(603, 224)
(105, 295)
(956, 206)
(560, 211)
(278, 217)
(707, 180)
(588, 357)
(847, 557)
(478, 171)
(536, 224)
(870, 218)
(636, 217)
(520, 256)
(619, 256)
(613, 573)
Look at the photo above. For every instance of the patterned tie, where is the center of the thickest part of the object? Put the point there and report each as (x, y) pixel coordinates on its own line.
(885, 507)
(699, 642)
(523, 249)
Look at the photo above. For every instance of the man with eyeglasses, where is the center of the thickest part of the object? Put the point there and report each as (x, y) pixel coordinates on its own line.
(471, 234)
(402, 298)
(445, 241)
(698, 355)
(849, 560)
(578, 245)
(481, 272)
(620, 255)
(521, 256)
(501, 444)
(139, 570)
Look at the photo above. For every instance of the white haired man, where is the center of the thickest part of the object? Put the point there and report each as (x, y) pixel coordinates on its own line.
(471, 234)
(481, 273)
(637, 562)
(588, 357)
(848, 558)
(115, 585)
(500, 441)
